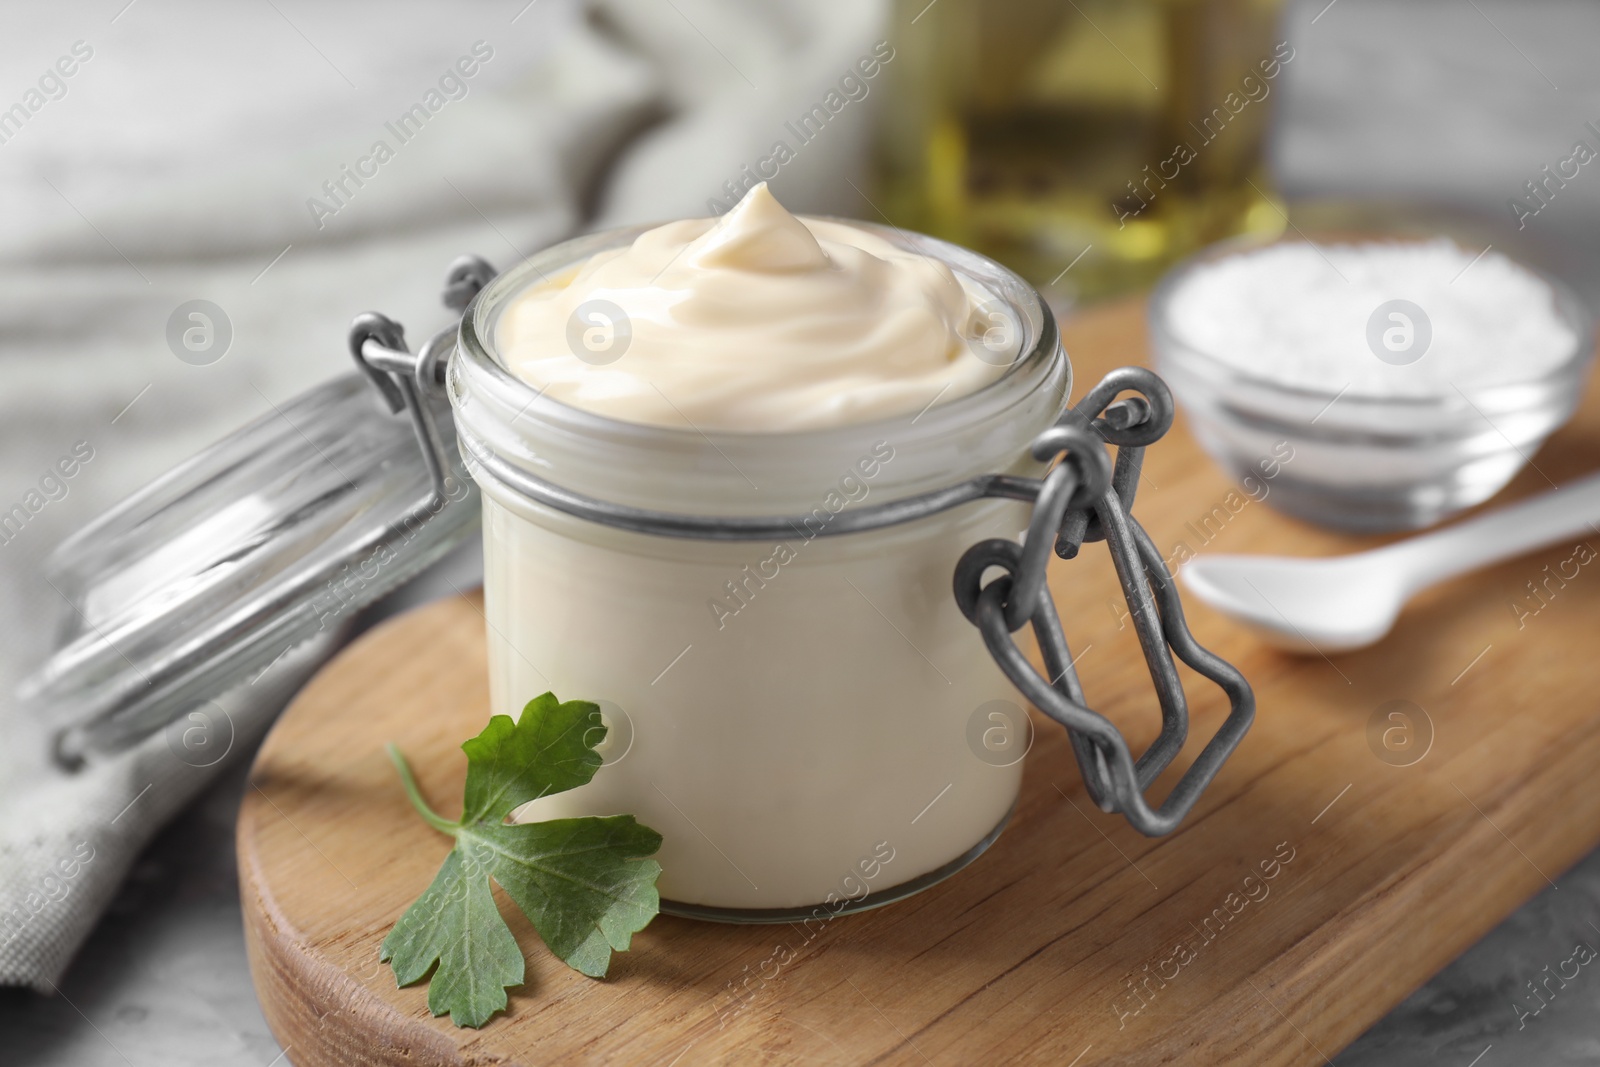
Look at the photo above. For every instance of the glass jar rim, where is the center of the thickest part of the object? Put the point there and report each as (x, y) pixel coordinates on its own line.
(488, 397)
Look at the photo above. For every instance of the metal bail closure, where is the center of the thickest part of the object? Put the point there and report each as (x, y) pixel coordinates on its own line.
(1084, 499)
(274, 536)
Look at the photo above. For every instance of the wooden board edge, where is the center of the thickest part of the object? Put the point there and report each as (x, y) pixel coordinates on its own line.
(293, 985)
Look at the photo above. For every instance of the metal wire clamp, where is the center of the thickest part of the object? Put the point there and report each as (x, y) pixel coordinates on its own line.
(1082, 499)
(407, 382)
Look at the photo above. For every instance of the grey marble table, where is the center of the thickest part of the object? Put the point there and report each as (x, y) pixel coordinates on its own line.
(1459, 101)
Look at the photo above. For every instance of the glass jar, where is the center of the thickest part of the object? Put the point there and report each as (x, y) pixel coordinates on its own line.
(799, 643)
(793, 711)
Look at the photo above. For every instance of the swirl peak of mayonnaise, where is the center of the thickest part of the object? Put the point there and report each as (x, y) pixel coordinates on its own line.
(758, 321)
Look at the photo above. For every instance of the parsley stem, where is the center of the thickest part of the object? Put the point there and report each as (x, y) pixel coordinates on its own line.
(431, 817)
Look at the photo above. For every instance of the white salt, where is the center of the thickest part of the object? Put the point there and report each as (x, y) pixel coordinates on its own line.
(1300, 314)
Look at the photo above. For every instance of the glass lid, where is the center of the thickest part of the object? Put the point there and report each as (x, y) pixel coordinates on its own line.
(279, 532)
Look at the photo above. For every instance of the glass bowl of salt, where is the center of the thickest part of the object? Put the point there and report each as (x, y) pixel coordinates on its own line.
(1380, 384)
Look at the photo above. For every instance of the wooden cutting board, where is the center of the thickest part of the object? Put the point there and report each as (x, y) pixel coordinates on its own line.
(1074, 941)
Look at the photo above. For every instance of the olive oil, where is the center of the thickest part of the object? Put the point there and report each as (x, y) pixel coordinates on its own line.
(1086, 144)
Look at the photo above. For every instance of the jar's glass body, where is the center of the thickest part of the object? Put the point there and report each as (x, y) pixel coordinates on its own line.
(795, 715)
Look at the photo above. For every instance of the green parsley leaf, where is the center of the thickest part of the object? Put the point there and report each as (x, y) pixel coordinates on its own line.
(585, 884)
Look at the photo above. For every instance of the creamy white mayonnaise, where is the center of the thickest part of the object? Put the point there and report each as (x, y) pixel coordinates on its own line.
(759, 321)
(806, 720)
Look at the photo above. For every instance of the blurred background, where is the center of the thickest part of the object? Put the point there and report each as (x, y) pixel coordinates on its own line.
(229, 153)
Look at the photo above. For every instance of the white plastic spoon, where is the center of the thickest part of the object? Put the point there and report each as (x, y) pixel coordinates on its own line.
(1345, 602)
